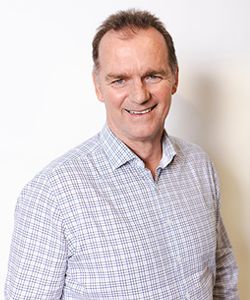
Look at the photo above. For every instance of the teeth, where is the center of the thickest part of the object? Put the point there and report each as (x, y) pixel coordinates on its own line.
(134, 112)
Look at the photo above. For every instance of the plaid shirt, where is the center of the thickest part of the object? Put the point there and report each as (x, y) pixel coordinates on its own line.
(94, 224)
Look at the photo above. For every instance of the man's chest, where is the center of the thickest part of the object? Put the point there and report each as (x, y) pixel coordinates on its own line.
(133, 236)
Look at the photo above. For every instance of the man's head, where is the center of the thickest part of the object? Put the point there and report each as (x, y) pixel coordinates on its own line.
(135, 75)
(133, 20)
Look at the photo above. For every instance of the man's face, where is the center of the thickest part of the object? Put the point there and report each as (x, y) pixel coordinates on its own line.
(136, 83)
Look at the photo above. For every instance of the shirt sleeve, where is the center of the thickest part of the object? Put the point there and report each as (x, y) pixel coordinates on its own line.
(226, 268)
(38, 254)
(226, 282)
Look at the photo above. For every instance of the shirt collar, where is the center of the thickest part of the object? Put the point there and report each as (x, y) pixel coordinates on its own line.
(168, 151)
(118, 153)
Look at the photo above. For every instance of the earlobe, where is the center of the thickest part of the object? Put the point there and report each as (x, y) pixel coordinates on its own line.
(174, 89)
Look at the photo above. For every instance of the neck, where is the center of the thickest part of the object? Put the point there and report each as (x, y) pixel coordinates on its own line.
(150, 151)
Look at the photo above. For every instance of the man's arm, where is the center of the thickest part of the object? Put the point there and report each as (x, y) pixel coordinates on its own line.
(38, 255)
(226, 268)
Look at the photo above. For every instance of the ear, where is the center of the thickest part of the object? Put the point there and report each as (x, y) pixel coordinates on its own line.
(96, 81)
(176, 80)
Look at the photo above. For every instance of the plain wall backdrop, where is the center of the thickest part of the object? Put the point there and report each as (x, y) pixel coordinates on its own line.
(48, 104)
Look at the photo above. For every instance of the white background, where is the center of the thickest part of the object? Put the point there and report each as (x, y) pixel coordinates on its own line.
(48, 103)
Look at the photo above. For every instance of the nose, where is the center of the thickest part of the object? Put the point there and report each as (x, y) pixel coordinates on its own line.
(139, 92)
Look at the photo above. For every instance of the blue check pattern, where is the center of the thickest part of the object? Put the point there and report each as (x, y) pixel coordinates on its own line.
(94, 224)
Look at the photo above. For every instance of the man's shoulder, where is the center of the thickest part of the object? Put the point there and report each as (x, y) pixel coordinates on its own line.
(60, 177)
(80, 154)
(187, 149)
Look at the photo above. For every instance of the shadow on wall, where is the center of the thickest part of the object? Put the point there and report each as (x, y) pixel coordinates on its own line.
(202, 125)
(199, 114)
(233, 211)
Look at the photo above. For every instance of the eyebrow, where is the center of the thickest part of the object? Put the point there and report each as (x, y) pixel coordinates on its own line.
(161, 72)
(111, 76)
(149, 72)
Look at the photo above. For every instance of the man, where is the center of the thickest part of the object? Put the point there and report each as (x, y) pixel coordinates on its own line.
(131, 213)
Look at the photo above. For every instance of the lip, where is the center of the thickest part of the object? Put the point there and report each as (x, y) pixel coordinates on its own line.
(135, 112)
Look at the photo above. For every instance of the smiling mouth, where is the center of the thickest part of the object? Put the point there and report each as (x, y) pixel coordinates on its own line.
(140, 112)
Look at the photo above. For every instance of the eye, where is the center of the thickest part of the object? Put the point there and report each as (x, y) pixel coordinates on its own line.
(153, 78)
(118, 82)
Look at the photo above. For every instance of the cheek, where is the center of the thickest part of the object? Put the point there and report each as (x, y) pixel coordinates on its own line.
(162, 91)
(163, 97)
(115, 98)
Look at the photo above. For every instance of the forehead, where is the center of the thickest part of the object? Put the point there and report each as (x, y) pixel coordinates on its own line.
(127, 45)
(132, 34)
